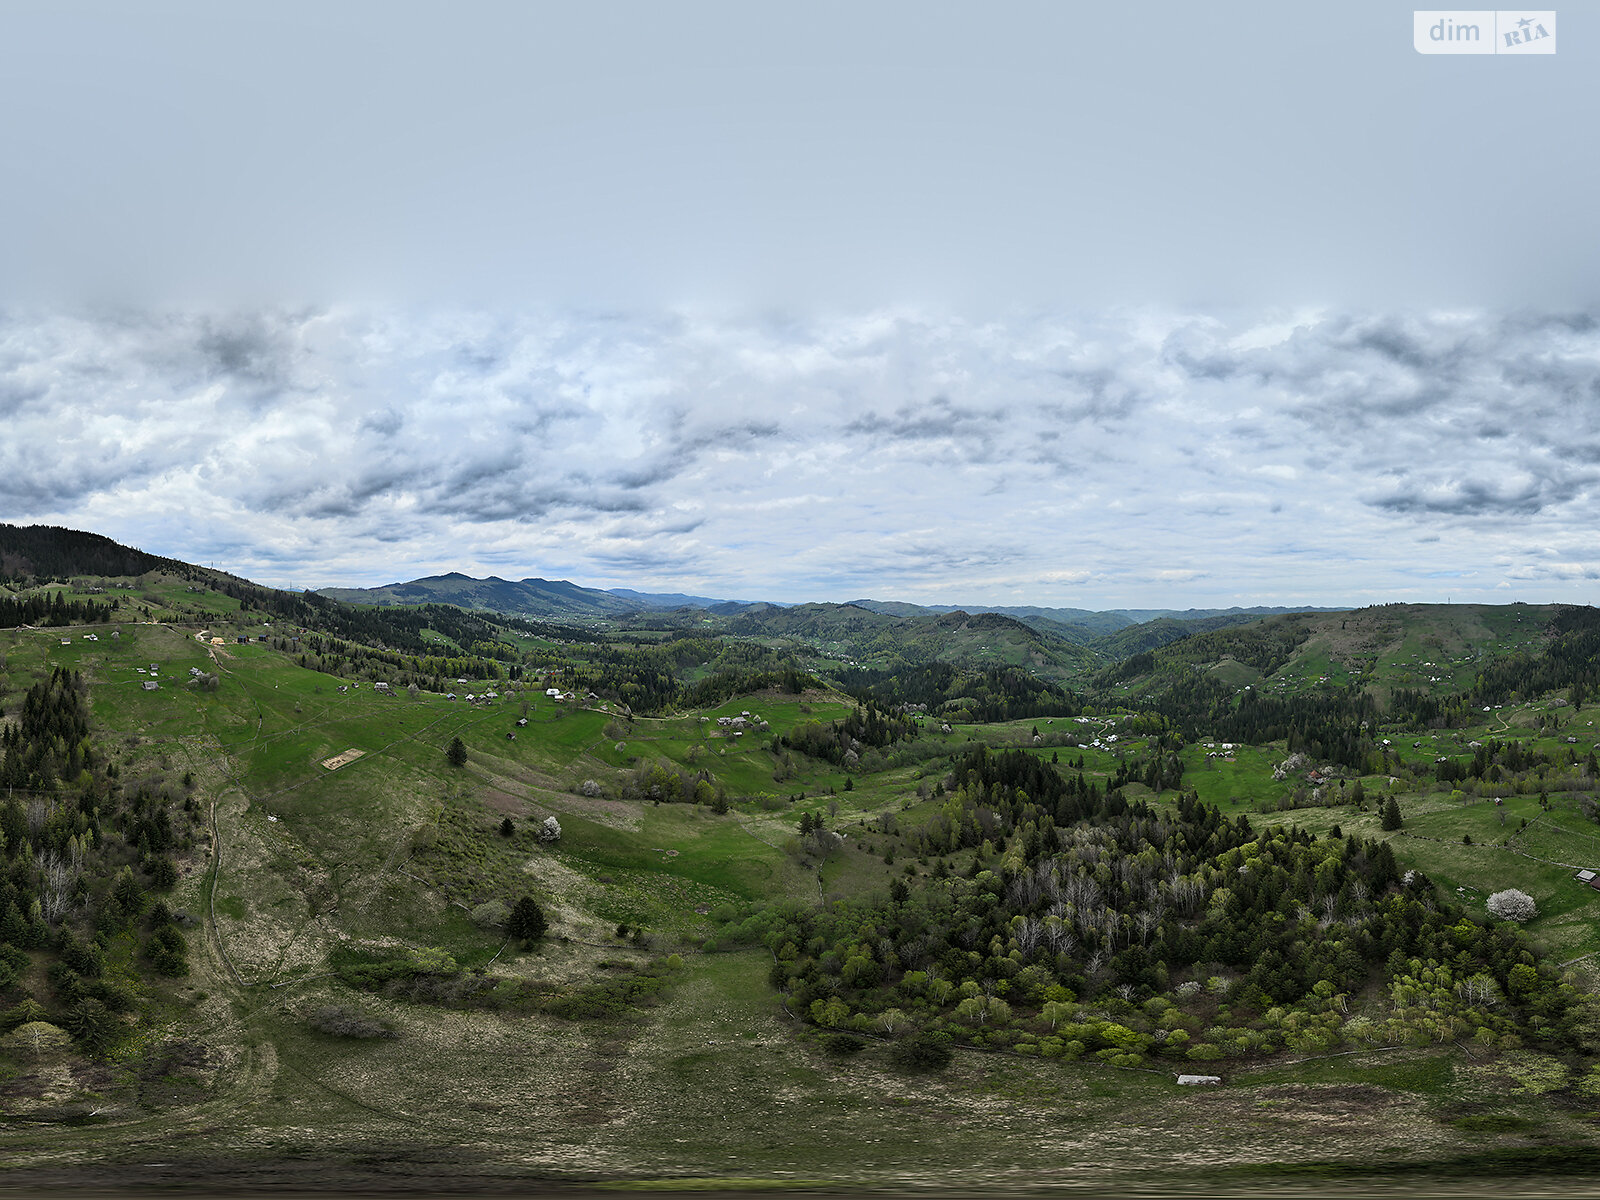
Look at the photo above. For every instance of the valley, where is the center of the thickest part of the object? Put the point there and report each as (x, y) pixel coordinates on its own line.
(820, 887)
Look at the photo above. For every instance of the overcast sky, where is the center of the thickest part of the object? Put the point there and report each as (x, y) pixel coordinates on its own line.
(1134, 304)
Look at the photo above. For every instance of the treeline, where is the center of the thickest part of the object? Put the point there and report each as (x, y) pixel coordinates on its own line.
(80, 857)
(684, 673)
(995, 694)
(1326, 725)
(1132, 932)
(1264, 645)
(53, 609)
(1495, 760)
(1569, 659)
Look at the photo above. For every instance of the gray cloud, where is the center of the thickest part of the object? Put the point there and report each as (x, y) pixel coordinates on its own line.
(1134, 457)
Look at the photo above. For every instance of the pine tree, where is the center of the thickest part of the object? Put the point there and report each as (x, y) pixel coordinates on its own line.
(457, 753)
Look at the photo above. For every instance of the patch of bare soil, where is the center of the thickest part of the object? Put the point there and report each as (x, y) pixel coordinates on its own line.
(1350, 1098)
(339, 760)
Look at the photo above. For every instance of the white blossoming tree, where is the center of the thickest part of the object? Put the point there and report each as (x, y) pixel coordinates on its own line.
(1512, 905)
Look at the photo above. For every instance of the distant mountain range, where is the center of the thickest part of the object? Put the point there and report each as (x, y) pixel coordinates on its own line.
(1133, 651)
(525, 597)
(562, 598)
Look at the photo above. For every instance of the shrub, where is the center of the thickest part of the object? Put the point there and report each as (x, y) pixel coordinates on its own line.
(340, 1021)
(550, 831)
(843, 1045)
(491, 914)
(35, 1039)
(1512, 905)
(921, 1052)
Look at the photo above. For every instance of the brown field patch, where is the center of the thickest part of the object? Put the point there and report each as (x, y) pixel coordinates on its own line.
(504, 802)
(339, 760)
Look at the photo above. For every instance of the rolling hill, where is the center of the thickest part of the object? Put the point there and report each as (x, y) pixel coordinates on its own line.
(265, 922)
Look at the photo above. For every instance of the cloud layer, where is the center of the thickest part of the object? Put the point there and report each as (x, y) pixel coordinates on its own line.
(1147, 457)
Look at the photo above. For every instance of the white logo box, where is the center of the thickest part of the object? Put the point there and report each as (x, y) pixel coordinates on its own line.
(1484, 31)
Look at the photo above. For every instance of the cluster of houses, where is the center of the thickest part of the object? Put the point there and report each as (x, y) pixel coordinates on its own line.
(243, 639)
(737, 727)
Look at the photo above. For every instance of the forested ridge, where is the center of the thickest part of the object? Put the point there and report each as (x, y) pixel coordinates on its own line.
(49, 552)
(962, 693)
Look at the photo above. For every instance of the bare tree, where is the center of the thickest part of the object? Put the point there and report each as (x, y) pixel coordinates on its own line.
(1029, 931)
(57, 876)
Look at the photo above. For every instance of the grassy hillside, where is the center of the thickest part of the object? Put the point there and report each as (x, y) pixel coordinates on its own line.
(356, 1006)
(1437, 648)
(871, 639)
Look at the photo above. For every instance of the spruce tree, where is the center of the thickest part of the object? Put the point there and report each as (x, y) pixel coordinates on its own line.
(527, 921)
(457, 753)
(1391, 815)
